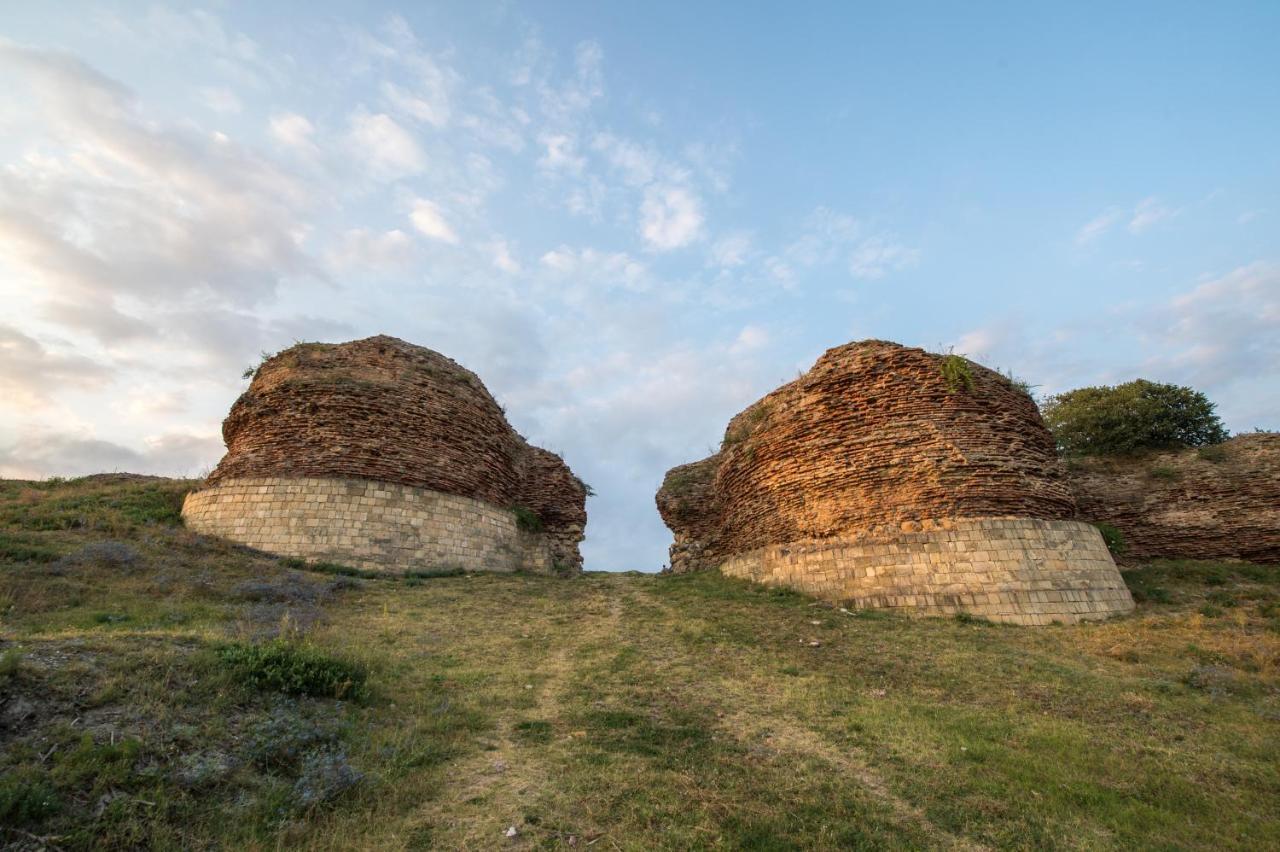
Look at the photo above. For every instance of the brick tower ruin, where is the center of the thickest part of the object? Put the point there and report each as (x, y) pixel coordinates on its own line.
(892, 477)
(387, 456)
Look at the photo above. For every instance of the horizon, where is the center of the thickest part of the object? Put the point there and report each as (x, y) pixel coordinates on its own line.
(630, 224)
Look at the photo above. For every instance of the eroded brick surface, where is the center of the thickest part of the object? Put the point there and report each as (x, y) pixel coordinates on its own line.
(1219, 502)
(385, 411)
(875, 445)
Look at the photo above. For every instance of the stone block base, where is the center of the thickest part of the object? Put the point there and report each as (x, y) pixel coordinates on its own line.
(1013, 570)
(369, 525)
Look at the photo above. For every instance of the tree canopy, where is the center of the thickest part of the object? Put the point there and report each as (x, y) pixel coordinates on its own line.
(1134, 416)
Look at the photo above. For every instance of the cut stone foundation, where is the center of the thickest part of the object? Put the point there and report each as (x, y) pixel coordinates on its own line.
(374, 526)
(1019, 571)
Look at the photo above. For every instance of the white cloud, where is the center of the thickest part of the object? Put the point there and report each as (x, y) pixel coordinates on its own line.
(361, 249)
(1249, 216)
(221, 223)
(751, 338)
(502, 258)
(877, 256)
(639, 165)
(670, 217)
(564, 103)
(1150, 212)
(293, 131)
(31, 374)
(430, 221)
(600, 270)
(38, 455)
(831, 238)
(1220, 337)
(731, 250)
(561, 153)
(1098, 226)
(390, 151)
(432, 108)
(221, 99)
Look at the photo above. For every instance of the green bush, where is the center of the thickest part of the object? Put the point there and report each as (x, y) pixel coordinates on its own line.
(26, 798)
(526, 519)
(1127, 418)
(956, 373)
(296, 668)
(1113, 538)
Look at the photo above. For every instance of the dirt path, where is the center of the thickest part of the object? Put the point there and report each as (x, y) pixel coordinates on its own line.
(758, 719)
(489, 793)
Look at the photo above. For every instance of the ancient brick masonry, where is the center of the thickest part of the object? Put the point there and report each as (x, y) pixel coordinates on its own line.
(1212, 503)
(384, 411)
(874, 480)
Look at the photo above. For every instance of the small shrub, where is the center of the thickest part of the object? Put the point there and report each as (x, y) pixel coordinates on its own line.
(282, 741)
(325, 776)
(1112, 537)
(26, 799)
(340, 570)
(1166, 472)
(526, 519)
(98, 766)
(291, 588)
(1215, 454)
(434, 573)
(970, 618)
(296, 669)
(533, 731)
(1019, 384)
(956, 373)
(106, 554)
(10, 664)
(1213, 679)
(15, 549)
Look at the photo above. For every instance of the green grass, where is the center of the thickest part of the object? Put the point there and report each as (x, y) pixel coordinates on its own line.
(175, 691)
(295, 668)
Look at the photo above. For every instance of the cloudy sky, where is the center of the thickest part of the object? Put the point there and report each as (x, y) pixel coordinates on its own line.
(632, 219)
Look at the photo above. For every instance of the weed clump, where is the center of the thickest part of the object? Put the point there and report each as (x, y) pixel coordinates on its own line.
(325, 776)
(23, 549)
(296, 668)
(1112, 538)
(105, 554)
(956, 373)
(27, 799)
(10, 665)
(526, 519)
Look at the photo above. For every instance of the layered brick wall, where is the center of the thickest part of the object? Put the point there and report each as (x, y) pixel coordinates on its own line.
(879, 440)
(386, 412)
(369, 525)
(1219, 502)
(1013, 570)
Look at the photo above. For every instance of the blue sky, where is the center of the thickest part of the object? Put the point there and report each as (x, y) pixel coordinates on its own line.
(631, 220)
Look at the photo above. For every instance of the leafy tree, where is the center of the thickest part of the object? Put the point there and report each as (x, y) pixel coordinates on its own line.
(1134, 416)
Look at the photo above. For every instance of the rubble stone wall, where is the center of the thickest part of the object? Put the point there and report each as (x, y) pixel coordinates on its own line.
(1012, 570)
(369, 525)
(878, 460)
(1220, 502)
(386, 412)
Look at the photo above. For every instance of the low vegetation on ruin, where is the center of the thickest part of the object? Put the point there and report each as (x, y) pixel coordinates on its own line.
(163, 689)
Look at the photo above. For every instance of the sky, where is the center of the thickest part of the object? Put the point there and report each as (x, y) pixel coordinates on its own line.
(631, 220)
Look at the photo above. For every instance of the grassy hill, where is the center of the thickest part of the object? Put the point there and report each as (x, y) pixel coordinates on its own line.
(161, 689)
